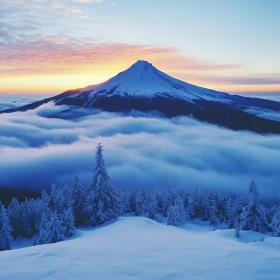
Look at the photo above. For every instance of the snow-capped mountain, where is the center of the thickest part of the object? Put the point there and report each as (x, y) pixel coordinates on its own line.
(143, 80)
(144, 88)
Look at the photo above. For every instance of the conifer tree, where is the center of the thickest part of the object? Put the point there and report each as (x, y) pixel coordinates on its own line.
(253, 216)
(275, 224)
(214, 220)
(55, 230)
(68, 222)
(174, 216)
(43, 228)
(56, 200)
(78, 200)
(5, 230)
(28, 217)
(103, 204)
(231, 213)
(15, 217)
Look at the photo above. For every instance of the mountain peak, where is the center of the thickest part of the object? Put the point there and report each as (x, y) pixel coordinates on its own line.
(142, 79)
(141, 66)
(142, 63)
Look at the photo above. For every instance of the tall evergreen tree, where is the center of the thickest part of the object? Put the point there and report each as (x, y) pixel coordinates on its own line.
(68, 222)
(56, 200)
(28, 217)
(55, 230)
(15, 217)
(5, 230)
(103, 204)
(43, 228)
(253, 216)
(174, 216)
(275, 223)
(78, 200)
(213, 211)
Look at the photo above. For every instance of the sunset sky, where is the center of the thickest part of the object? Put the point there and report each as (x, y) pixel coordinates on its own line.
(51, 46)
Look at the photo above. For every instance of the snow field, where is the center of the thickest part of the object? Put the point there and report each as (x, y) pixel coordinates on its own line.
(139, 248)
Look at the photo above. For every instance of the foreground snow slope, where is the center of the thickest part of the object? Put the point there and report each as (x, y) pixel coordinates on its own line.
(139, 248)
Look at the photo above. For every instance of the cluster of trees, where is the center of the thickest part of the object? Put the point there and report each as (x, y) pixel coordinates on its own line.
(55, 215)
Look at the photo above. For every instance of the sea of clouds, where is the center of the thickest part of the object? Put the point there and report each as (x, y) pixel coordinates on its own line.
(13, 101)
(140, 151)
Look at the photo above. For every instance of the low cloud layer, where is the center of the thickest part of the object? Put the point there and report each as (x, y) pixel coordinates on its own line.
(13, 101)
(36, 151)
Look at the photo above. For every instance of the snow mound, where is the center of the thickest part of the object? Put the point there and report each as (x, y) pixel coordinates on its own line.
(138, 248)
(245, 236)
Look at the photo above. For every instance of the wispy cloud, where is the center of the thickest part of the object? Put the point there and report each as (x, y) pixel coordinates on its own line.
(51, 53)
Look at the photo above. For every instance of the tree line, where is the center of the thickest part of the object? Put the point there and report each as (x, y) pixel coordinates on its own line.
(55, 215)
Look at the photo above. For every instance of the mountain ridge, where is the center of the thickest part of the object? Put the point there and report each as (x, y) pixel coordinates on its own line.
(144, 88)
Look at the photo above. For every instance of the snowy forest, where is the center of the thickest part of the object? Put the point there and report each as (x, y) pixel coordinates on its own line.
(55, 215)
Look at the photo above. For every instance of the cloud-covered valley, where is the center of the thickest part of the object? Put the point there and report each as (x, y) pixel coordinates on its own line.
(8, 101)
(36, 151)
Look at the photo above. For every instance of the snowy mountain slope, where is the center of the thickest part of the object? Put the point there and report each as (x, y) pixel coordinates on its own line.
(144, 80)
(139, 248)
(144, 88)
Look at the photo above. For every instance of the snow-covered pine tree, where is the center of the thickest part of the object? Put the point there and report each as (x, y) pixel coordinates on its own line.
(276, 231)
(195, 195)
(56, 200)
(43, 228)
(204, 205)
(236, 227)
(55, 230)
(45, 198)
(28, 217)
(67, 197)
(167, 199)
(214, 220)
(174, 217)
(271, 210)
(181, 208)
(275, 223)
(231, 213)
(78, 200)
(68, 222)
(102, 204)
(149, 206)
(221, 207)
(5, 230)
(15, 217)
(253, 216)
(133, 200)
(190, 209)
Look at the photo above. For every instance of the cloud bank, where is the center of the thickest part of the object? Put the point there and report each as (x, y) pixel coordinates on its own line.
(8, 101)
(36, 151)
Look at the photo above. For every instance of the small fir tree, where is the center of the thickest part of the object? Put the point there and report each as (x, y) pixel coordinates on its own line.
(103, 204)
(253, 216)
(5, 230)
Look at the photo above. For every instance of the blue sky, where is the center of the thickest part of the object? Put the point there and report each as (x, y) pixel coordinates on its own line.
(50, 46)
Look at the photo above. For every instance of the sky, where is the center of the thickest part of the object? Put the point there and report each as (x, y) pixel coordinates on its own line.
(49, 46)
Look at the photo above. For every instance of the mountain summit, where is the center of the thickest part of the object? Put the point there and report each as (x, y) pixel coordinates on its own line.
(142, 79)
(144, 88)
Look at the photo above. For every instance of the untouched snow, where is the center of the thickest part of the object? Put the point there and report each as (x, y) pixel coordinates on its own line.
(143, 79)
(139, 248)
(263, 113)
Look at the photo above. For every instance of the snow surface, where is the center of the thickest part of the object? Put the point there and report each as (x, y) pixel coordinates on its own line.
(263, 113)
(144, 80)
(139, 248)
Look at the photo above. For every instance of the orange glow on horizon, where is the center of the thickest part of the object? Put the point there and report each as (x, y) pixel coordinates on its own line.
(68, 77)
